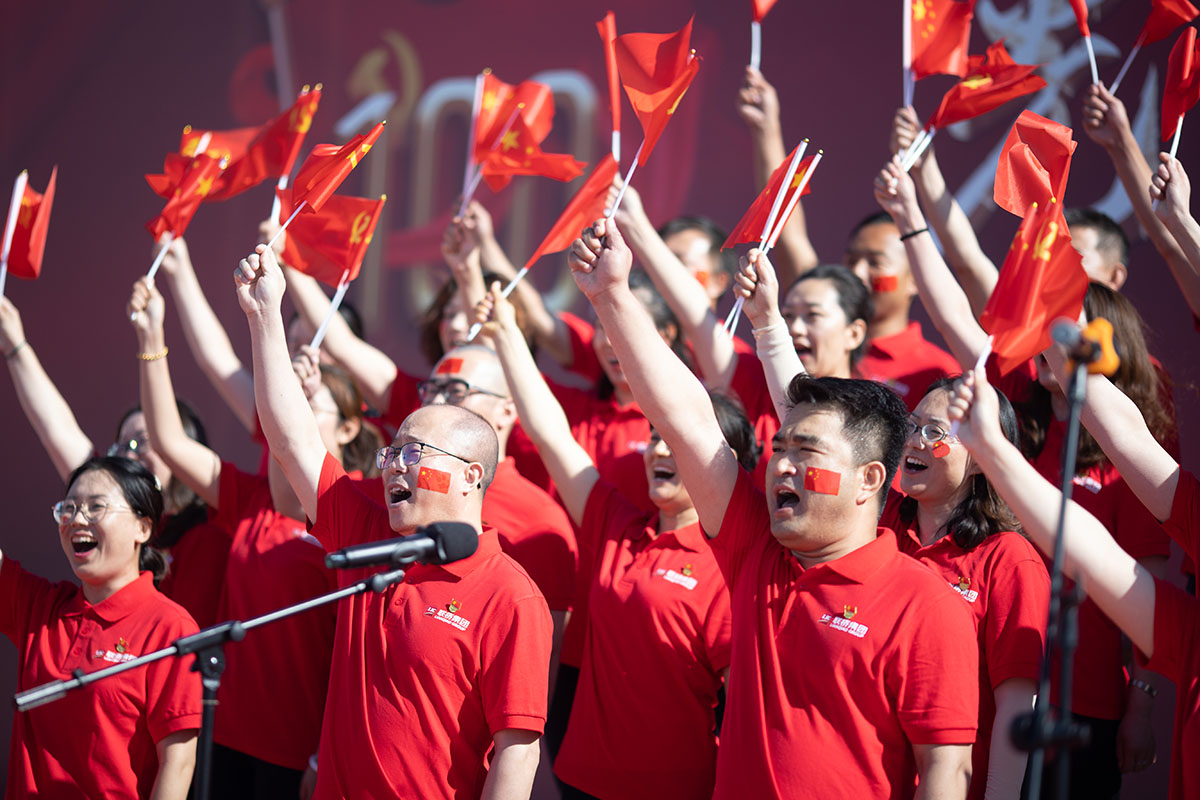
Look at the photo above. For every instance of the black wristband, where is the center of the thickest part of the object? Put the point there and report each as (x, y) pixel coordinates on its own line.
(911, 234)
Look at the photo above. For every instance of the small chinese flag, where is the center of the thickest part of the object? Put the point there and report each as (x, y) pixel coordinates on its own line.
(1081, 16)
(992, 80)
(530, 101)
(656, 69)
(760, 8)
(584, 208)
(332, 241)
(434, 480)
(327, 166)
(449, 366)
(1165, 17)
(519, 154)
(607, 29)
(885, 283)
(941, 30)
(822, 481)
(752, 226)
(193, 187)
(1034, 163)
(1181, 84)
(941, 450)
(1042, 279)
(29, 236)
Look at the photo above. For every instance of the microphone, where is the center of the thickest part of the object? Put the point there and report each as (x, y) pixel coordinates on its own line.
(439, 543)
(1091, 345)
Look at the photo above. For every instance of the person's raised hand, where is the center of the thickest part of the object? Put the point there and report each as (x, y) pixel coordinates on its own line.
(1170, 189)
(905, 129)
(973, 405)
(146, 308)
(1104, 118)
(460, 244)
(599, 259)
(757, 284)
(306, 363)
(12, 332)
(260, 283)
(631, 211)
(758, 103)
(494, 311)
(177, 258)
(478, 222)
(266, 232)
(896, 193)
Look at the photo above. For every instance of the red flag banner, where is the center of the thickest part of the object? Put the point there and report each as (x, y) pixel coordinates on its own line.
(29, 236)
(992, 80)
(1081, 16)
(607, 29)
(760, 8)
(434, 480)
(1034, 163)
(941, 30)
(1042, 279)
(1165, 17)
(519, 154)
(1181, 84)
(327, 166)
(584, 208)
(328, 243)
(185, 194)
(751, 228)
(656, 70)
(530, 101)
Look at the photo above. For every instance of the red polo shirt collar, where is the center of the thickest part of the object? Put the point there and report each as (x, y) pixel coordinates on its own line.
(120, 604)
(900, 344)
(859, 565)
(689, 537)
(489, 545)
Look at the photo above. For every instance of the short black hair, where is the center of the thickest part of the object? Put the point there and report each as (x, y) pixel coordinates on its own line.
(854, 297)
(727, 260)
(143, 494)
(1112, 237)
(874, 418)
(877, 218)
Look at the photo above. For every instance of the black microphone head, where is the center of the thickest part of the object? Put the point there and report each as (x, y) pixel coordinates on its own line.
(455, 541)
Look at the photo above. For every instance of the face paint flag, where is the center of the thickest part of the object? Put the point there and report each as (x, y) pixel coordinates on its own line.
(326, 167)
(185, 195)
(1034, 163)
(750, 228)
(822, 481)
(941, 30)
(885, 283)
(1181, 84)
(519, 154)
(584, 208)
(449, 366)
(656, 69)
(434, 480)
(29, 236)
(992, 80)
(328, 243)
(529, 101)
(1042, 279)
(941, 450)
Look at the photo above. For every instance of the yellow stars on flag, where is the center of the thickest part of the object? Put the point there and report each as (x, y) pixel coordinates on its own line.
(357, 154)
(509, 140)
(976, 81)
(25, 216)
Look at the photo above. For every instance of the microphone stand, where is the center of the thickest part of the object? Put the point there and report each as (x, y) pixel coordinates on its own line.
(1039, 730)
(208, 646)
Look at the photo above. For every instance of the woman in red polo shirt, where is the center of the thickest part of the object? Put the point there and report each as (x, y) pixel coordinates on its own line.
(657, 642)
(129, 736)
(273, 691)
(952, 519)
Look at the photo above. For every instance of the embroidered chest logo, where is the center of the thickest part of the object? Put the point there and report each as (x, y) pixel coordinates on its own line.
(117, 654)
(844, 622)
(1087, 482)
(449, 615)
(963, 587)
(683, 578)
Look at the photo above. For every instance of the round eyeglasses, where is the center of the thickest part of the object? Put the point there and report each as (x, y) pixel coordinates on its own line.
(454, 390)
(93, 510)
(932, 434)
(409, 454)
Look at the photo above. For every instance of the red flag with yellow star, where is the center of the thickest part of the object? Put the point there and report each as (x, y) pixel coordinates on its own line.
(29, 235)
(822, 481)
(584, 208)
(941, 30)
(327, 166)
(529, 102)
(196, 177)
(992, 80)
(332, 241)
(656, 70)
(519, 154)
(1042, 279)
(434, 480)
(751, 228)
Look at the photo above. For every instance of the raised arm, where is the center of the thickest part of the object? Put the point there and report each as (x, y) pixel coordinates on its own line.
(671, 397)
(206, 336)
(975, 270)
(756, 282)
(52, 419)
(1172, 190)
(940, 293)
(758, 105)
(284, 413)
(570, 467)
(685, 296)
(191, 462)
(1122, 588)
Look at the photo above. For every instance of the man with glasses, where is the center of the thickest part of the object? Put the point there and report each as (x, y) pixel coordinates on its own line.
(431, 674)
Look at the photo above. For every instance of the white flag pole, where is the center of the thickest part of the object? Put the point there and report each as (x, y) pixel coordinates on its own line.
(284, 226)
(1087, 40)
(755, 44)
(1178, 133)
(1128, 60)
(158, 259)
(476, 104)
(505, 292)
(10, 226)
(609, 212)
(916, 154)
(474, 184)
(334, 305)
(980, 363)
(906, 52)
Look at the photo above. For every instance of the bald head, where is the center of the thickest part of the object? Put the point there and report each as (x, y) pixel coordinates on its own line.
(475, 364)
(459, 431)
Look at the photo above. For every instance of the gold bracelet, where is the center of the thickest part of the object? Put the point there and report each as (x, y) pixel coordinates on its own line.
(154, 356)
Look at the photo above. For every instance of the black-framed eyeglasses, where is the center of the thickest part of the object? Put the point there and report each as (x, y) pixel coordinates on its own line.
(455, 390)
(409, 454)
(93, 510)
(932, 434)
(129, 447)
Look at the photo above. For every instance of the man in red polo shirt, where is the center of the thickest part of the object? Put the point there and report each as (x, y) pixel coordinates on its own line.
(438, 683)
(854, 669)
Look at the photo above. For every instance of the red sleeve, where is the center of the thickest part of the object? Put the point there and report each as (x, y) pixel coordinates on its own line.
(345, 515)
(1134, 527)
(583, 356)
(746, 522)
(718, 631)
(936, 677)
(1014, 635)
(19, 591)
(233, 493)
(402, 400)
(606, 515)
(1185, 513)
(173, 690)
(514, 654)
(1176, 620)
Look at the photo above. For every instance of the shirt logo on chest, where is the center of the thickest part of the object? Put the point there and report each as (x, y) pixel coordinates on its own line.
(843, 622)
(683, 579)
(963, 587)
(118, 654)
(448, 616)
(1087, 482)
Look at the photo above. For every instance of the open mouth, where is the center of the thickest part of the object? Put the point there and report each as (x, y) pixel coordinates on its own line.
(663, 474)
(913, 465)
(786, 499)
(83, 543)
(398, 494)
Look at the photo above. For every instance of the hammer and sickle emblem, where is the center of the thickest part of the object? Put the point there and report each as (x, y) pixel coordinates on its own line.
(359, 227)
(976, 81)
(1042, 248)
(300, 118)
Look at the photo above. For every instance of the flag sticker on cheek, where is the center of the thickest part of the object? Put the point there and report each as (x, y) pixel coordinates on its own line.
(449, 366)
(434, 480)
(885, 283)
(941, 450)
(822, 481)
